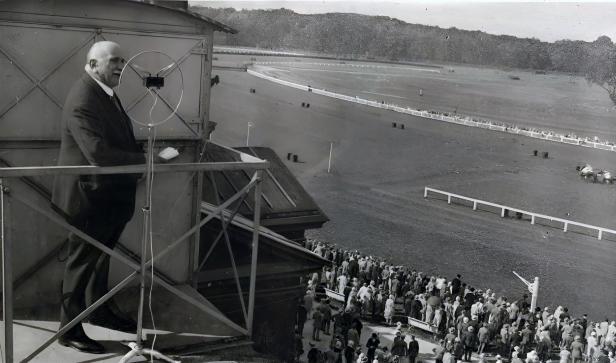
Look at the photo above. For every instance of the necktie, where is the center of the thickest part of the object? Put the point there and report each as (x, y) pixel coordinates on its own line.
(127, 126)
(116, 103)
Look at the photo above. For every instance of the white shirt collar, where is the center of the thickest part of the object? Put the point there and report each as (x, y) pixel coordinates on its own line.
(105, 88)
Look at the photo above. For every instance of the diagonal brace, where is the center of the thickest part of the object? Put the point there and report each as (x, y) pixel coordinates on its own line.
(83, 314)
(228, 243)
(215, 243)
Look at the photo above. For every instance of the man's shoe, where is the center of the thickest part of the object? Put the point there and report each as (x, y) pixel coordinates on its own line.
(83, 344)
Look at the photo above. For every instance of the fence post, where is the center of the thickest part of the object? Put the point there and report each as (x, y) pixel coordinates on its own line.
(475, 205)
(532, 219)
(426, 192)
(565, 227)
(600, 234)
(448, 199)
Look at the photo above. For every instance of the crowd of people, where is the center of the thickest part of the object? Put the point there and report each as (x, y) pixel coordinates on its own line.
(465, 320)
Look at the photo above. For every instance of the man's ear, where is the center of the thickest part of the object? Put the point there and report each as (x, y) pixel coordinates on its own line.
(92, 63)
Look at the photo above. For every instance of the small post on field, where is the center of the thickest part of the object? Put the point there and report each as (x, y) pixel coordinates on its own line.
(329, 163)
(248, 126)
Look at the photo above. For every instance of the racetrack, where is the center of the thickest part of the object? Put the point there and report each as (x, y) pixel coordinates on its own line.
(547, 101)
(374, 196)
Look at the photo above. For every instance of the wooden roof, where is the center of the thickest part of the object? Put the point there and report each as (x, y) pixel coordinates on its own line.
(285, 206)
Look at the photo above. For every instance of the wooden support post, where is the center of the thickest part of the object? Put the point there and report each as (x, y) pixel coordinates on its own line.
(475, 205)
(448, 199)
(502, 212)
(565, 227)
(600, 235)
(532, 219)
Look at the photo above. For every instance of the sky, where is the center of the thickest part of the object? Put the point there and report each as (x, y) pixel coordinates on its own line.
(545, 20)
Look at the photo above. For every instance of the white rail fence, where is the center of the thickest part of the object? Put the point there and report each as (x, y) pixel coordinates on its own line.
(534, 217)
(459, 120)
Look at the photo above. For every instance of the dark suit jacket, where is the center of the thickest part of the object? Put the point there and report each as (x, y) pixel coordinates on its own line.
(95, 131)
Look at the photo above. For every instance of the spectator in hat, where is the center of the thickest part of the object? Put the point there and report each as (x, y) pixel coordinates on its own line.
(592, 346)
(439, 351)
(398, 347)
(326, 312)
(543, 349)
(343, 279)
(504, 340)
(334, 355)
(458, 349)
(372, 344)
(483, 337)
(565, 355)
(317, 321)
(470, 343)
(577, 349)
(566, 341)
(413, 349)
(353, 335)
(353, 268)
(349, 352)
(389, 310)
(308, 301)
(456, 284)
(545, 314)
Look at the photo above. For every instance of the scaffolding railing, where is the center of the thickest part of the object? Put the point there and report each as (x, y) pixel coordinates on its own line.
(7, 197)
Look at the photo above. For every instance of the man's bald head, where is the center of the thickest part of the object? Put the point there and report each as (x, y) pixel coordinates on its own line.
(105, 62)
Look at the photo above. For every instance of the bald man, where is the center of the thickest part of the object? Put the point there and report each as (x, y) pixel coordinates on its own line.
(95, 131)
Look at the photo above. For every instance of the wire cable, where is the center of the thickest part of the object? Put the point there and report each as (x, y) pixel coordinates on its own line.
(150, 232)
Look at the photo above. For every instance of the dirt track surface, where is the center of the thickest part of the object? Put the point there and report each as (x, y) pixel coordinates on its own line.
(374, 195)
(547, 101)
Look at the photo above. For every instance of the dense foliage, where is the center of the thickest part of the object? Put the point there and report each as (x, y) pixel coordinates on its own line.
(362, 36)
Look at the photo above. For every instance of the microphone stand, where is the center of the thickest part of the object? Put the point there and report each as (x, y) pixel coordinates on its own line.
(137, 347)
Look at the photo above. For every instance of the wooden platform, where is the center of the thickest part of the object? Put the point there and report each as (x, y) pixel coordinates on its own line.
(29, 335)
(181, 328)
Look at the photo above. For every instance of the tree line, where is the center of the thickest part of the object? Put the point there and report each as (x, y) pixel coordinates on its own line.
(380, 37)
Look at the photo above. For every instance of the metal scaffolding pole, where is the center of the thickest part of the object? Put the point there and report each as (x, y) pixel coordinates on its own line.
(255, 251)
(7, 274)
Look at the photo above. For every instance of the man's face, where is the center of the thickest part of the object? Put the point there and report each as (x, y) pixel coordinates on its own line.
(109, 66)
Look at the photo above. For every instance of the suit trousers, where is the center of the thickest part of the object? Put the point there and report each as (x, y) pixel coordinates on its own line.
(86, 273)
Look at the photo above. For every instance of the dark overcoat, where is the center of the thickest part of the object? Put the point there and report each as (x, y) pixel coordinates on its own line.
(95, 131)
